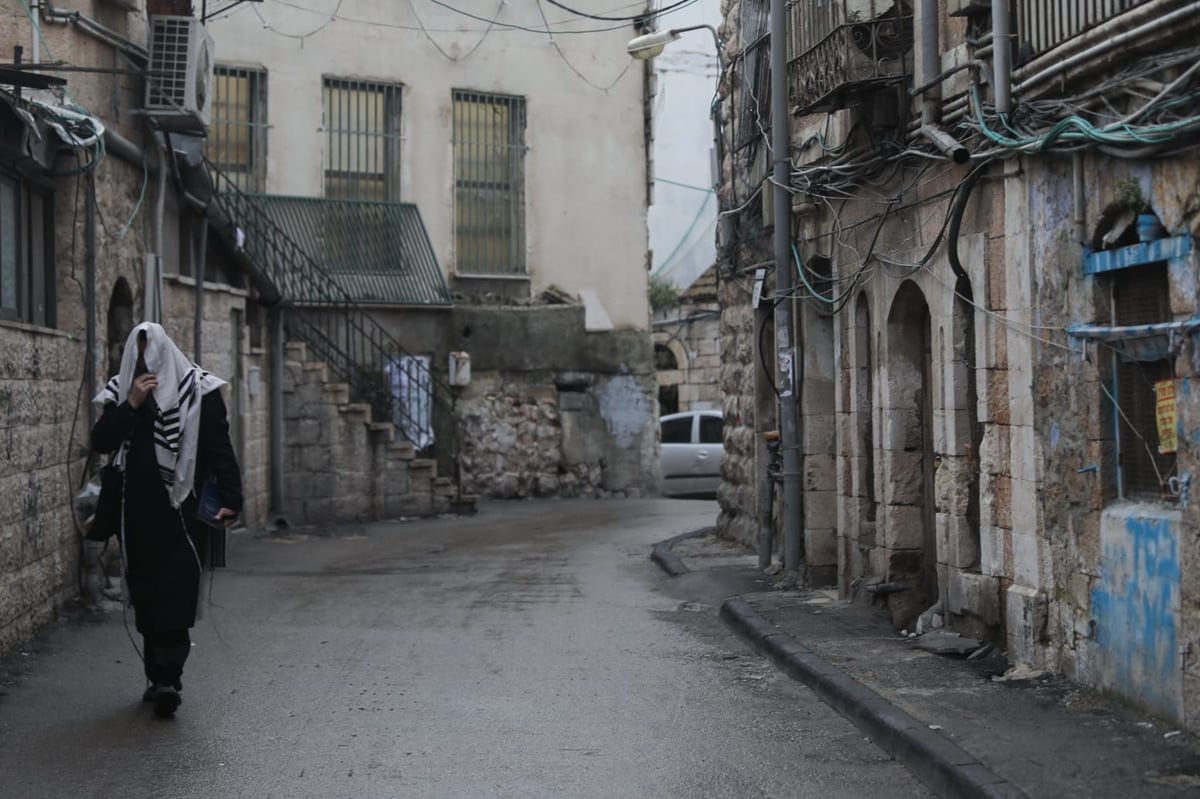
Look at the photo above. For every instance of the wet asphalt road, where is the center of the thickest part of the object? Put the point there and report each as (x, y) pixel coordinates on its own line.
(533, 650)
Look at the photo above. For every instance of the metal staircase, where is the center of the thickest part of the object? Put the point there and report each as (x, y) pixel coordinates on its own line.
(337, 330)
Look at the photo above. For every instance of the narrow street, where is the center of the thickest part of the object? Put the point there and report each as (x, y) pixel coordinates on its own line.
(533, 650)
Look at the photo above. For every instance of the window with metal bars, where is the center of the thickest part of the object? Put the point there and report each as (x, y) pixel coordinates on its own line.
(362, 139)
(489, 184)
(26, 252)
(1140, 297)
(237, 138)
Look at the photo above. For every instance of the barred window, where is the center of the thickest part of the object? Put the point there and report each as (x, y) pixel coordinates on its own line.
(362, 140)
(238, 134)
(26, 252)
(1141, 297)
(489, 184)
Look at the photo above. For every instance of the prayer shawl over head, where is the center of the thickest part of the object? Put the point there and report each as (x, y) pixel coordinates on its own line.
(181, 384)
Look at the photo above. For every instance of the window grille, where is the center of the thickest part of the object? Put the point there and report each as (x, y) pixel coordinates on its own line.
(26, 252)
(238, 134)
(1140, 297)
(362, 140)
(489, 184)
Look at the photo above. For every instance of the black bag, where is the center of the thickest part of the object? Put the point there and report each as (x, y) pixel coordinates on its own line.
(106, 522)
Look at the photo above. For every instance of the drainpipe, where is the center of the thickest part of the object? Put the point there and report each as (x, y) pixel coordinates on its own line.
(784, 347)
(1002, 58)
(37, 34)
(90, 292)
(931, 63)
(198, 274)
(152, 306)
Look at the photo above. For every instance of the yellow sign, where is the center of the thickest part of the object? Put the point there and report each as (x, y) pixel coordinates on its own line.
(1164, 391)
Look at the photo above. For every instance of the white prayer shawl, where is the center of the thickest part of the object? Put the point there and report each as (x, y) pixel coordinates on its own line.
(181, 385)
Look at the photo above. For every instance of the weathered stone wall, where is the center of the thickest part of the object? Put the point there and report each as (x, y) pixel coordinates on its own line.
(553, 410)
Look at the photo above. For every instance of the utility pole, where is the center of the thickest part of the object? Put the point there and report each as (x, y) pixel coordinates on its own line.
(785, 349)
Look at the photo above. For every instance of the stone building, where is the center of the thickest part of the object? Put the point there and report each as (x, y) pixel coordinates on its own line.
(994, 286)
(521, 148)
(687, 344)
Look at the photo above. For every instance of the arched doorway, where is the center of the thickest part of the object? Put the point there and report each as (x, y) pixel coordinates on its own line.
(666, 364)
(119, 324)
(910, 532)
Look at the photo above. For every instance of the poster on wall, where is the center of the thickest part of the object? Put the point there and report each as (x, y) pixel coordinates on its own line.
(1164, 392)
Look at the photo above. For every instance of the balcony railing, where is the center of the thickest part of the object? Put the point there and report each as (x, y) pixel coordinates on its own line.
(1044, 25)
(839, 48)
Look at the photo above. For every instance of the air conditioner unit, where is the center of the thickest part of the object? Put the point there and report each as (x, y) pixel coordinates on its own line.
(179, 83)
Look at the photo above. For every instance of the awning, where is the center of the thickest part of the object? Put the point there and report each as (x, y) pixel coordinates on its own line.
(1140, 342)
(378, 252)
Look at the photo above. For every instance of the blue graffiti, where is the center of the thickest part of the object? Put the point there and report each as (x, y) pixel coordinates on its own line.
(1135, 608)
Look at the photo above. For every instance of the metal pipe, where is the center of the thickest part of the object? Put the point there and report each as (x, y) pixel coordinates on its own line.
(931, 62)
(198, 274)
(113, 39)
(1080, 199)
(1103, 46)
(126, 150)
(1002, 57)
(37, 32)
(785, 351)
(1101, 33)
(946, 143)
(90, 294)
(276, 426)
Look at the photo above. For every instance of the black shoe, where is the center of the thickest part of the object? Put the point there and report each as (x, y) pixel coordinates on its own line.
(149, 693)
(166, 699)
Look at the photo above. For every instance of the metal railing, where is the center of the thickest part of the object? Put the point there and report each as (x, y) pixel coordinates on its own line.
(837, 48)
(1042, 26)
(356, 348)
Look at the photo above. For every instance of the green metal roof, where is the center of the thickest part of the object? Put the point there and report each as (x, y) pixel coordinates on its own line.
(378, 252)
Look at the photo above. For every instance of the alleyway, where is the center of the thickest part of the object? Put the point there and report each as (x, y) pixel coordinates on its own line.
(530, 651)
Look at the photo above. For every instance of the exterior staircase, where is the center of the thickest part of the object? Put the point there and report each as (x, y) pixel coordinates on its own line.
(340, 465)
(346, 458)
(318, 311)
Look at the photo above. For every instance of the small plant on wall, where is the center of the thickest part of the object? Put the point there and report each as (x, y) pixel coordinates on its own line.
(1127, 193)
(663, 293)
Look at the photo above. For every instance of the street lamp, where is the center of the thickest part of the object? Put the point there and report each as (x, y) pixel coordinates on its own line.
(651, 44)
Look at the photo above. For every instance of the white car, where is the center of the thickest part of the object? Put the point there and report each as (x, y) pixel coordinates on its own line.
(693, 446)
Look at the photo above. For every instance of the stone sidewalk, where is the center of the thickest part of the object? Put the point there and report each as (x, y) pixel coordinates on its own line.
(966, 726)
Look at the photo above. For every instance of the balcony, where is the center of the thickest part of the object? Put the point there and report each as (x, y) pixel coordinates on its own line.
(840, 49)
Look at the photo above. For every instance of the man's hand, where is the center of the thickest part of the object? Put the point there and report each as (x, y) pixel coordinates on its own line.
(228, 516)
(143, 385)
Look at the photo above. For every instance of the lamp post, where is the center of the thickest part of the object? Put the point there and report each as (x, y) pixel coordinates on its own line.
(650, 45)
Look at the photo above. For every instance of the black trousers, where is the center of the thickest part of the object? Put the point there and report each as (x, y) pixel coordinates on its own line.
(165, 653)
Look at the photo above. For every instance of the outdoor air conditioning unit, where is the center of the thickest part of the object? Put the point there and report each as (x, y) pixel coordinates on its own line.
(179, 83)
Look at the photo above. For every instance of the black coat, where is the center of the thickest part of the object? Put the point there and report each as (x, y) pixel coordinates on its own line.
(166, 547)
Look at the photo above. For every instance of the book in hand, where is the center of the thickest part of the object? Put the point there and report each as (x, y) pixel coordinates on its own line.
(209, 504)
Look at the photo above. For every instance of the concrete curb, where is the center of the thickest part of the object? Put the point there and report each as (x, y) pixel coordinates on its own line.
(944, 767)
(667, 560)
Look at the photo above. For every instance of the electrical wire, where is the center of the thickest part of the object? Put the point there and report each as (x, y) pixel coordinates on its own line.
(571, 66)
(645, 16)
(468, 54)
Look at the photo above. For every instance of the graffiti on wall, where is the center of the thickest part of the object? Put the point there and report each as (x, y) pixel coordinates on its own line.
(1136, 605)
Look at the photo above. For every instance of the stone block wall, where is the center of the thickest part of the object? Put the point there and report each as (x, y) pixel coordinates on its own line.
(339, 465)
(41, 462)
